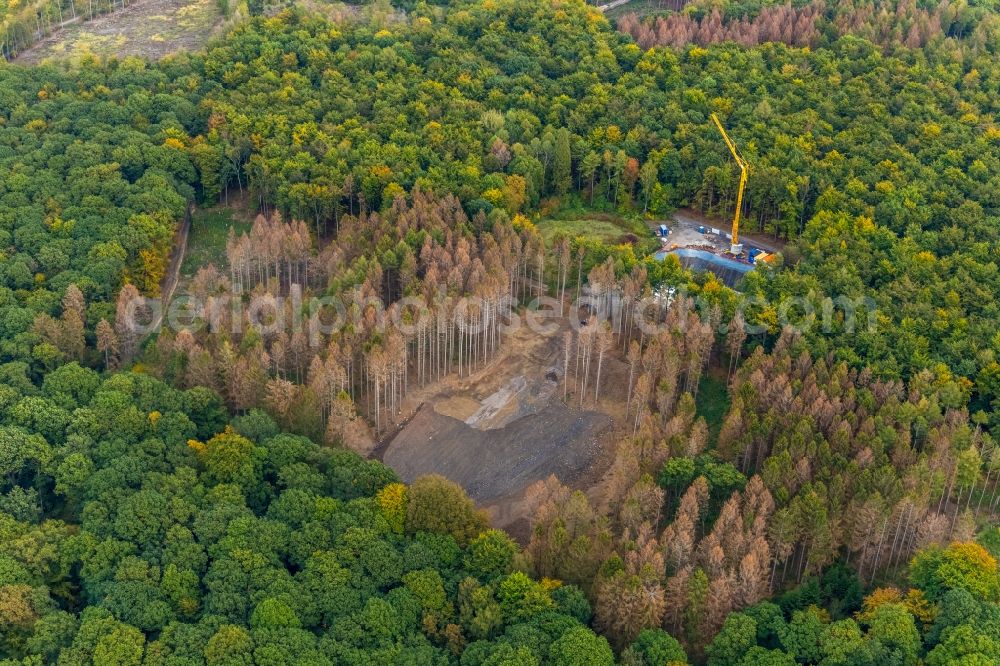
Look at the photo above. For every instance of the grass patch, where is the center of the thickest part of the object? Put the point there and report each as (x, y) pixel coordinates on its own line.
(574, 219)
(989, 539)
(713, 402)
(603, 230)
(207, 239)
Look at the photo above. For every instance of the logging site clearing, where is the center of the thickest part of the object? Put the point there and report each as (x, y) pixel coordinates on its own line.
(505, 427)
(147, 28)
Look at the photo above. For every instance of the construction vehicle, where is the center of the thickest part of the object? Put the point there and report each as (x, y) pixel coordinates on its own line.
(736, 247)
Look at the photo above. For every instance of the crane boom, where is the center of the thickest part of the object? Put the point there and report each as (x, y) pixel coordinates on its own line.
(736, 248)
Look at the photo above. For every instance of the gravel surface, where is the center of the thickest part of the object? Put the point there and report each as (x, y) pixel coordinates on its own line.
(497, 462)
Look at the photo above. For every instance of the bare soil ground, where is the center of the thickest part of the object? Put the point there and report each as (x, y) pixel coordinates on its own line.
(491, 464)
(687, 218)
(147, 28)
(172, 276)
(506, 426)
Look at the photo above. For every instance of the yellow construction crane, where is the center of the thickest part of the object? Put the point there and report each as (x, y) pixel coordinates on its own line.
(736, 248)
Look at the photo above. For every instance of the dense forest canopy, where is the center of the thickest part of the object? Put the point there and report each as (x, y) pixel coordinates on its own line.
(318, 120)
(189, 499)
(165, 543)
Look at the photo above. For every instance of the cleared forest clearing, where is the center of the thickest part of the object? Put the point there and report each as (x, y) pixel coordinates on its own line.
(148, 28)
(507, 426)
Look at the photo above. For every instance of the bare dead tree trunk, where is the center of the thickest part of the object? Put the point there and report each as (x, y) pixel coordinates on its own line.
(878, 551)
(958, 508)
(601, 347)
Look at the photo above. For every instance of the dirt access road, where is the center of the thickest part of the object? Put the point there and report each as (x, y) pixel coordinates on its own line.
(172, 277)
(612, 5)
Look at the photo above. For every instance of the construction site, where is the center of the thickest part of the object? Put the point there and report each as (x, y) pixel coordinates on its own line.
(701, 244)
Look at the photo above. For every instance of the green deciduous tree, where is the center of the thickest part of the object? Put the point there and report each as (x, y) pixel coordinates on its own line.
(438, 505)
